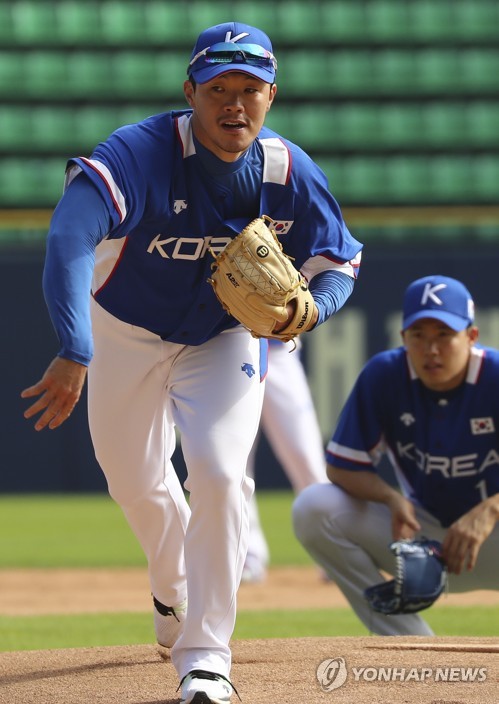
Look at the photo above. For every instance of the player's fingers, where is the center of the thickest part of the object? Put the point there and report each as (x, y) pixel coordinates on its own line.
(52, 418)
(34, 390)
(38, 406)
(414, 524)
(455, 554)
(472, 557)
(57, 409)
(62, 414)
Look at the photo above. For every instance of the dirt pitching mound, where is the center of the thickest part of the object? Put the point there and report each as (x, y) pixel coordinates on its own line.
(369, 670)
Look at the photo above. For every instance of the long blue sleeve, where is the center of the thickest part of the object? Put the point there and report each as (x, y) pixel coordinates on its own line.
(80, 221)
(330, 290)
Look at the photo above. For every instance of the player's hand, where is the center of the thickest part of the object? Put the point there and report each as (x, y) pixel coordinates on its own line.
(58, 390)
(465, 536)
(404, 522)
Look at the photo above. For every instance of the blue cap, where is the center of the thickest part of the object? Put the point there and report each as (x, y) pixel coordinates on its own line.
(232, 33)
(441, 298)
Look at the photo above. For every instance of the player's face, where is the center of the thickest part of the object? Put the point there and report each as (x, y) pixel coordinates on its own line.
(229, 112)
(438, 353)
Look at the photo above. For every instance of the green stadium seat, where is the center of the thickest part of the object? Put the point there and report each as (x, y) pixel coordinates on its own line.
(204, 13)
(166, 20)
(129, 114)
(294, 16)
(79, 22)
(484, 179)
(6, 23)
(476, 20)
(261, 14)
(281, 119)
(357, 125)
(444, 124)
(482, 120)
(347, 70)
(50, 182)
(400, 125)
(30, 182)
(386, 19)
(438, 70)
(343, 19)
(90, 75)
(149, 73)
(311, 126)
(407, 180)
(45, 73)
(393, 70)
(332, 168)
(52, 128)
(11, 74)
(480, 68)
(451, 178)
(135, 72)
(15, 128)
(359, 179)
(432, 20)
(123, 22)
(302, 71)
(394, 92)
(12, 183)
(33, 21)
(94, 124)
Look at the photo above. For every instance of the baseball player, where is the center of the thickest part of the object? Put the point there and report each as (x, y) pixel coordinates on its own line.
(290, 424)
(433, 407)
(137, 226)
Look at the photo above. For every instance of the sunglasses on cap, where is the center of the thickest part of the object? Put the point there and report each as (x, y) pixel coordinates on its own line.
(230, 52)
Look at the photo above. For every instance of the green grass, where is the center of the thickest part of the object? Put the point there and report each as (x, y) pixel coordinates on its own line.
(88, 630)
(90, 531)
(65, 531)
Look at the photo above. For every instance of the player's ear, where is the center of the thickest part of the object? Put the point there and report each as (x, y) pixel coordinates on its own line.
(189, 93)
(272, 92)
(473, 334)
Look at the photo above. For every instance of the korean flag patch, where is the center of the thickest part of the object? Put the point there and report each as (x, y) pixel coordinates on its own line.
(481, 426)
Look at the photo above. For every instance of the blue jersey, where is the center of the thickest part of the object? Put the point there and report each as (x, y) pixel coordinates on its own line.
(443, 445)
(169, 215)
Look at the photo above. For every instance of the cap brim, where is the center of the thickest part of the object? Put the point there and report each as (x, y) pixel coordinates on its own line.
(208, 73)
(456, 322)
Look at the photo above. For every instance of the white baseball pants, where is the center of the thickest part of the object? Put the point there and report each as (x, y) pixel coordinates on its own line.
(139, 389)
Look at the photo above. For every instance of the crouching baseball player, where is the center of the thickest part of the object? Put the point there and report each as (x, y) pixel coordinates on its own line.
(432, 406)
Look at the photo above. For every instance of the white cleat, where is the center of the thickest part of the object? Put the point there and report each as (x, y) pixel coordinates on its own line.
(168, 622)
(203, 687)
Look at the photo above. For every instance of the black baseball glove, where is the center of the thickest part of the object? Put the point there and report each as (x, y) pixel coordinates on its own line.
(421, 576)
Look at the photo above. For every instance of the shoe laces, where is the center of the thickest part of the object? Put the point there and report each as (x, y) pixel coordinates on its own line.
(206, 675)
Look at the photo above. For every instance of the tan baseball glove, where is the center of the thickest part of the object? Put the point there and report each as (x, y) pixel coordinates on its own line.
(254, 281)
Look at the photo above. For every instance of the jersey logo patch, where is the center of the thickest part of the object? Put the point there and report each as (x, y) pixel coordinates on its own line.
(282, 227)
(481, 426)
(407, 419)
(179, 205)
(248, 369)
